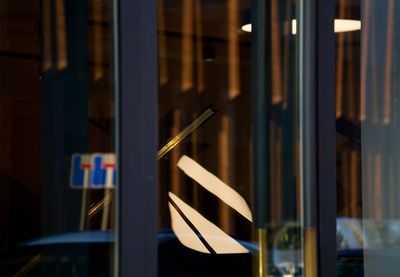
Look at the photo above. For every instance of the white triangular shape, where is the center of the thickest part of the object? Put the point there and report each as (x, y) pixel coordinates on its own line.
(221, 242)
(184, 233)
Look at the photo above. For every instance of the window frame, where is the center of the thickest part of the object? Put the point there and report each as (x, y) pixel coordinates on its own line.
(137, 82)
(326, 136)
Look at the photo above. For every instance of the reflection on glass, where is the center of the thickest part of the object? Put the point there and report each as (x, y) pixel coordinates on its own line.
(215, 186)
(367, 140)
(185, 132)
(229, 189)
(57, 161)
(217, 241)
(340, 25)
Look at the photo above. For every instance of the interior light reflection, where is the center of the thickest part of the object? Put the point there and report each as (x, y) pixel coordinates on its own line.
(214, 185)
(184, 233)
(218, 240)
(341, 26)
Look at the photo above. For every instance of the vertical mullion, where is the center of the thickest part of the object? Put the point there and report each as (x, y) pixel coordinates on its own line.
(308, 36)
(137, 103)
(318, 132)
(307, 98)
(326, 138)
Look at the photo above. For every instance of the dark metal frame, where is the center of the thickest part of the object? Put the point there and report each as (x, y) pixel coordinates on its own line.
(137, 150)
(326, 137)
(317, 82)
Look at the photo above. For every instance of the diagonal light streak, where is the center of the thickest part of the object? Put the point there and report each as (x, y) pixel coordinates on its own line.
(184, 133)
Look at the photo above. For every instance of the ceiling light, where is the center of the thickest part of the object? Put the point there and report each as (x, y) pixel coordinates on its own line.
(341, 26)
(347, 25)
(246, 28)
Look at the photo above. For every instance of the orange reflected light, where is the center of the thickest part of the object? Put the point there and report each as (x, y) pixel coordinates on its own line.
(341, 26)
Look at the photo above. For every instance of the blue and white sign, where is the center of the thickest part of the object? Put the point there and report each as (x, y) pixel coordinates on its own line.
(94, 171)
(80, 171)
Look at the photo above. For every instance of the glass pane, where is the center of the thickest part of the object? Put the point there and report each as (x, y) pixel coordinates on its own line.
(230, 194)
(57, 161)
(368, 217)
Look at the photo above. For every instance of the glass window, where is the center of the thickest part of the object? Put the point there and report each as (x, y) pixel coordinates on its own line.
(57, 144)
(368, 217)
(230, 194)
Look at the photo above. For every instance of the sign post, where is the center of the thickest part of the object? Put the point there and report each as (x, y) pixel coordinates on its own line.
(94, 171)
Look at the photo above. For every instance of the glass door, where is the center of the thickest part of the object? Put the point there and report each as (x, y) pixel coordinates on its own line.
(231, 195)
(57, 153)
(367, 110)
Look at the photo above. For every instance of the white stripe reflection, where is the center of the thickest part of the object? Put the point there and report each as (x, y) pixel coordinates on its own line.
(215, 237)
(214, 185)
(184, 233)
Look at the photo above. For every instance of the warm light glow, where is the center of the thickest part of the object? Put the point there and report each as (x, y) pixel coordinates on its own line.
(347, 25)
(172, 143)
(246, 28)
(61, 35)
(214, 185)
(221, 242)
(233, 49)
(187, 56)
(341, 26)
